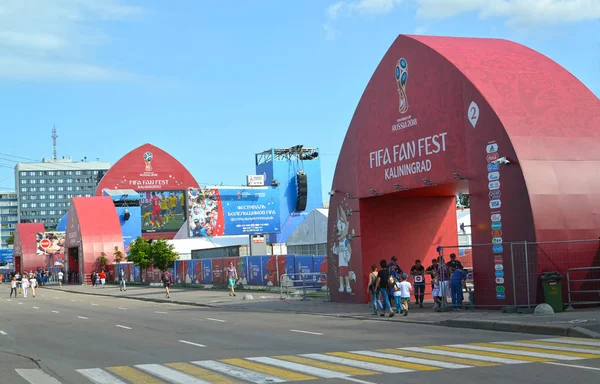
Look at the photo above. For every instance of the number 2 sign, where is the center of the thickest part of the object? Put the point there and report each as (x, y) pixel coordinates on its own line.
(473, 113)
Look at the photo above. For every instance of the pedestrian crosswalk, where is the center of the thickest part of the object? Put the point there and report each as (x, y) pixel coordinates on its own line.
(337, 365)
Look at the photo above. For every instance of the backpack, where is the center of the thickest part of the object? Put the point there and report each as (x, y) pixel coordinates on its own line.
(166, 278)
(391, 283)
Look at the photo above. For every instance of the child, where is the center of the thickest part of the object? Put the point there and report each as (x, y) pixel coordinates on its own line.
(13, 287)
(436, 292)
(396, 294)
(405, 289)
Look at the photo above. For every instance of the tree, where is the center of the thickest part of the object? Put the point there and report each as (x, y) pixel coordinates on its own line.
(118, 255)
(102, 260)
(10, 240)
(139, 254)
(162, 254)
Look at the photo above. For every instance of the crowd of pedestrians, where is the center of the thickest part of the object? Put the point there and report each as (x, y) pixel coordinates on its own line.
(390, 288)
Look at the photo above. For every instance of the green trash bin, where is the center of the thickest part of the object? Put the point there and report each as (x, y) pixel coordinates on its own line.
(553, 290)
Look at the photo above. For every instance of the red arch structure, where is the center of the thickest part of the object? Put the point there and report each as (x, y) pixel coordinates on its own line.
(435, 119)
(147, 168)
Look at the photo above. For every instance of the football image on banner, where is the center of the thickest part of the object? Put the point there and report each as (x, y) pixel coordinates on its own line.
(218, 211)
(162, 211)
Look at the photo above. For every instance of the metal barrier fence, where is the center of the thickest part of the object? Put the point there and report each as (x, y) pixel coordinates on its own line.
(586, 284)
(305, 284)
(515, 269)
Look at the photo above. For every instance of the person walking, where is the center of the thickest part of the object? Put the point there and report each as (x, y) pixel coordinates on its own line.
(102, 278)
(418, 273)
(60, 278)
(232, 277)
(383, 284)
(25, 285)
(33, 283)
(122, 284)
(167, 279)
(13, 287)
(404, 287)
(371, 290)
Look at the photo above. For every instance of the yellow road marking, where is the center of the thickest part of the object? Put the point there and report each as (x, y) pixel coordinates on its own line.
(201, 373)
(332, 367)
(269, 370)
(492, 354)
(377, 360)
(562, 345)
(134, 376)
(455, 360)
(537, 350)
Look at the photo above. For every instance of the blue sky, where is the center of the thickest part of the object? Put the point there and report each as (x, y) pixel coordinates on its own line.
(215, 82)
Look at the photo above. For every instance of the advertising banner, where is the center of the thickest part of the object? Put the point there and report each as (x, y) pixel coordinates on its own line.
(218, 211)
(207, 276)
(162, 211)
(6, 256)
(51, 244)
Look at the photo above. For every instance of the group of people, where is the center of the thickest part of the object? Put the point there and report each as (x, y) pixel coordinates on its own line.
(98, 278)
(390, 286)
(21, 284)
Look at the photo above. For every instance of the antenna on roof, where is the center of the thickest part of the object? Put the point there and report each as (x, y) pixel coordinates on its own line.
(54, 137)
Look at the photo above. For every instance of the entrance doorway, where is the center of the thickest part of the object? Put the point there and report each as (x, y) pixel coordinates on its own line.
(73, 266)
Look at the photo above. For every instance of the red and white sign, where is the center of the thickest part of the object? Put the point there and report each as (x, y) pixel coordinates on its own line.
(45, 243)
(492, 156)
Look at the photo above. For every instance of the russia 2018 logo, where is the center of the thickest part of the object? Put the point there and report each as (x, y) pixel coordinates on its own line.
(401, 79)
(148, 160)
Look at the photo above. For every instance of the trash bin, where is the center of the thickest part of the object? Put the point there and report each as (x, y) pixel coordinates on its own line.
(552, 290)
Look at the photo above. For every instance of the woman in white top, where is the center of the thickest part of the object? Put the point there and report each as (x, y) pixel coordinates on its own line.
(25, 285)
(33, 282)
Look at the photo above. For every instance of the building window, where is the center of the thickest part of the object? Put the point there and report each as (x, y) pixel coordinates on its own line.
(51, 197)
(42, 205)
(60, 181)
(31, 173)
(32, 181)
(41, 173)
(61, 188)
(69, 188)
(43, 213)
(23, 181)
(53, 212)
(23, 174)
(51, 189)
(24, 205)
(42, 181)
(42, 189)
(78, 173)
(50, 173)
(69, 181)
(33, 205)
(42, 197)
(33, 189)
(60, 197)
(51, 205)
(23, 189)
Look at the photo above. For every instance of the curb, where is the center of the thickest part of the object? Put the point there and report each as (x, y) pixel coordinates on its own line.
(148, 299)
(518, 327)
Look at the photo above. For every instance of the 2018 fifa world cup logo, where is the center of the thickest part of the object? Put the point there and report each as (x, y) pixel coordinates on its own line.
(401, 78)
(148, 160)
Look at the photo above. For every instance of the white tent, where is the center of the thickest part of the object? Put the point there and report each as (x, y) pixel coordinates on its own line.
(313, 230)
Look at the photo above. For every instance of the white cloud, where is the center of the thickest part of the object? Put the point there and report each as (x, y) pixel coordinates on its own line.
(516, 12)
(51, 39)
(330, 33)
(361, 7)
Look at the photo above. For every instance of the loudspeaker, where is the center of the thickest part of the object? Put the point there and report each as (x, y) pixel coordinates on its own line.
(302, 184)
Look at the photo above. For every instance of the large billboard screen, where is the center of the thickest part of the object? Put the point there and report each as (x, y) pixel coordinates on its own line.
(51, 244)
(218, 211)
(162, 211)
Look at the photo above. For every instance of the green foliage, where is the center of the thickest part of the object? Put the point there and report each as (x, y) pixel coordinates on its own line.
(102, 260)
(162, 254)
(118, 255)
(10, 240)
(139, 253)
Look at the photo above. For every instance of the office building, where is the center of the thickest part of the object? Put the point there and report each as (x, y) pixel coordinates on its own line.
(9, 216)
(45, 189)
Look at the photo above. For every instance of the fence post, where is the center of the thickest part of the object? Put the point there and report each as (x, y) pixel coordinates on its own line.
(527, 275)
(303, 288)
(570, 307)
(514, 283)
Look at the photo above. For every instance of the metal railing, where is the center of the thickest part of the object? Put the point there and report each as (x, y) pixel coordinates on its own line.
(296, 284)
(582, 286)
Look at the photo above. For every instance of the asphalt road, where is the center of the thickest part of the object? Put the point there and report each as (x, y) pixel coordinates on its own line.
(67, 337)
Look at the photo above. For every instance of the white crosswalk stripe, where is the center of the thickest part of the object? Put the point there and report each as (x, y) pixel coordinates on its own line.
(517, 352)
(170, 374)
(356, 363)
(36, 376)
(414, 360)
(566, 348)
(325, 373)
(573, 341)
(99, 376)
(240, 373)
(473, 356)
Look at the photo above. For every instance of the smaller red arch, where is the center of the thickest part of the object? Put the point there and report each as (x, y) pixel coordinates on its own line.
(147, 168)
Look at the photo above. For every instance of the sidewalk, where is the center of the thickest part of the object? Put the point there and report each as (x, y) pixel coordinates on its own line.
(580, 323)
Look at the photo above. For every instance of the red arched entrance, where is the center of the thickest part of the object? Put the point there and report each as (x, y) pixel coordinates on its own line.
(434, 117)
